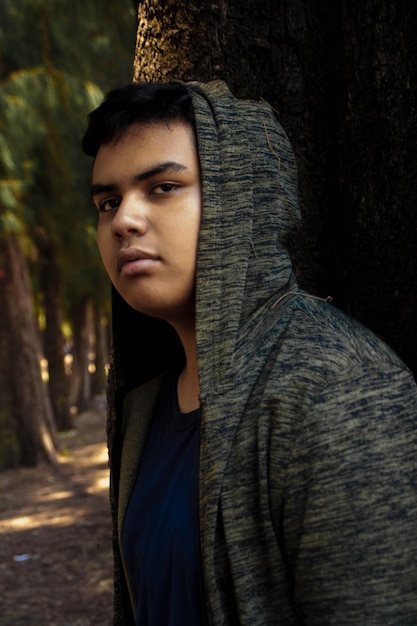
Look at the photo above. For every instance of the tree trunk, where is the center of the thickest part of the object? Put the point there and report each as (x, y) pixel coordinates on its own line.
(9, 443)
(30, 406)
(53, 340)
(378, 164)
(281, 52)
(80, 381)
(101, 352)
(343, 80)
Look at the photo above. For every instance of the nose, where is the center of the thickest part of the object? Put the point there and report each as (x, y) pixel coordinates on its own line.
(130, 218)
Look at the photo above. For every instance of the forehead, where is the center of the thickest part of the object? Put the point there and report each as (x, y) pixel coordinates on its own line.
(143, 146)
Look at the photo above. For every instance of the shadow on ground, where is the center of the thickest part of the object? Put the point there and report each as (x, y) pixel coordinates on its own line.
(55, 536)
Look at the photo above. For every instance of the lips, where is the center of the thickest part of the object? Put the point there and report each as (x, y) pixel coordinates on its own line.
(131, 255)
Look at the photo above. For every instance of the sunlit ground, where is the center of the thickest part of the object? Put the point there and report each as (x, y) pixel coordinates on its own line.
(46, 493)
(56, 513)
(55, 536)
(54, 502)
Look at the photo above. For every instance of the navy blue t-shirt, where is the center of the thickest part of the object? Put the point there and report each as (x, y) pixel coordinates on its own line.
(160, 538)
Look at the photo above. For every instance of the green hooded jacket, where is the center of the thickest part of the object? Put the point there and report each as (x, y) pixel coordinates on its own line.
(308, 450)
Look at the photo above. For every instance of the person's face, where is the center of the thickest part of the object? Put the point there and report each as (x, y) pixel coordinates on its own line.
(147, 189)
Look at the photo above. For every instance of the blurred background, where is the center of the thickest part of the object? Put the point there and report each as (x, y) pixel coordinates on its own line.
(57, 58)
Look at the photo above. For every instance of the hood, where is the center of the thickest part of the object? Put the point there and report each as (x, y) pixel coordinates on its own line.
(250, 208)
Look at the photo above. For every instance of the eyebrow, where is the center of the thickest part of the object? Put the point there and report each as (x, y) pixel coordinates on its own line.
(168, 166)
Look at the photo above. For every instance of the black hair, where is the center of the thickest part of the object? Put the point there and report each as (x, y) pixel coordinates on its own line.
(136, 103)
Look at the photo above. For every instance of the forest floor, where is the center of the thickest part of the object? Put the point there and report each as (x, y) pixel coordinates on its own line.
(55, 536)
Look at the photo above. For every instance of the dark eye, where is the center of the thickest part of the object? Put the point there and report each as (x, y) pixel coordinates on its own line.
(108, 205)
(162, 188)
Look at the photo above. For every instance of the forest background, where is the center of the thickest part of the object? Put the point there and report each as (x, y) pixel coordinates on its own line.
(342, 78)
(57, 59)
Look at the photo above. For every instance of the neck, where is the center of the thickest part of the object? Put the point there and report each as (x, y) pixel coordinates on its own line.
(188, 388)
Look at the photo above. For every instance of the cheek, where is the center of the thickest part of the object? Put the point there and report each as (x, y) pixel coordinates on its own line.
(104, 248)
(191, 249)
(193, 221)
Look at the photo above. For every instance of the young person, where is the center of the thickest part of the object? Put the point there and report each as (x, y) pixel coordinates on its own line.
(262, 444)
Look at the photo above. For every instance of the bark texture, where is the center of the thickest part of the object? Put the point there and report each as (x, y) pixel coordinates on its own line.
(53, 340)
(101, 351)
(29, 410)
(343, 80)
(82, 347)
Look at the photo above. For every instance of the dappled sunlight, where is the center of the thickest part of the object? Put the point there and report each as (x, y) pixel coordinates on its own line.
(96, 455)
(56, 509)
(38, 520)
(19, 522)
(58, 497)
(100, 484)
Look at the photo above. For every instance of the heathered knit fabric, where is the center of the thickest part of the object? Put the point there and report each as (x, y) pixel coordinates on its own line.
(308, 471)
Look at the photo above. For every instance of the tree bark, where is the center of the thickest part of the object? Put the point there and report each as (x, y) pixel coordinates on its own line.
(342, 78)
(53, 340)
(378, 164)
(30, 406)
(9, 444)
(101, 352)
(80, 381)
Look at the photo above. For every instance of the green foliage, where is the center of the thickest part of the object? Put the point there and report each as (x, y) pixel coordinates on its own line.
(57, 58)
(89, 39)
(43, 192)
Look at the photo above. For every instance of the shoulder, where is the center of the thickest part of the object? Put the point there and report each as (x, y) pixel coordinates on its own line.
(324, 369)
(315, 339)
